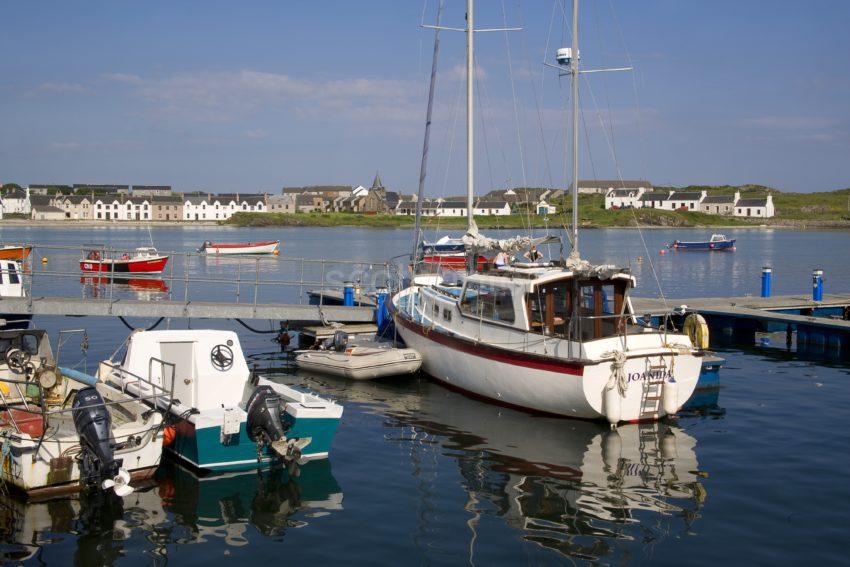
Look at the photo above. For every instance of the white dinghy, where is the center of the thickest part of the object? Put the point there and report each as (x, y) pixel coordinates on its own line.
(359, 361)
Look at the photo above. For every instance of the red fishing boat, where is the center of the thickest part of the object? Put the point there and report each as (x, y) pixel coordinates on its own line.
(19, 253)
(266, 247)
(142, 261)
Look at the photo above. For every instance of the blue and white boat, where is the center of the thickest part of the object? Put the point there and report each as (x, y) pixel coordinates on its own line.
(716, 242)
(220, 417)
(445, 245)
(11, 286)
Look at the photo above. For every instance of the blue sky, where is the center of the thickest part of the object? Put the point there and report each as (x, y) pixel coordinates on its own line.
(250, 96)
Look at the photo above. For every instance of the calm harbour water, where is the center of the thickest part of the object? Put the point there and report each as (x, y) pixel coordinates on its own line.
(419, 474)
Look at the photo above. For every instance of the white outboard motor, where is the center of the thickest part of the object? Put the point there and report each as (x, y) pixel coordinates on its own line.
(94, 426)
(264, 423)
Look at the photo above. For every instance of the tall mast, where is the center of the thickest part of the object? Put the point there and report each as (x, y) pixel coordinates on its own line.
(470, 179)
(423, 166)
(574, 78)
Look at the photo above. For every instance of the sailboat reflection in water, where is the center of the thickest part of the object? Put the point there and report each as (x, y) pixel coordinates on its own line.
(576, 487)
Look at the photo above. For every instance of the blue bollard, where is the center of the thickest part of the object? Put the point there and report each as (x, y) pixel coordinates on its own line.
(766, 280)
(348, 294)
(382, 314)
(817, 285)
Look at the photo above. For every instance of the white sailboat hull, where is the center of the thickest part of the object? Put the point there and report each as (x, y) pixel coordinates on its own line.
(541, 382)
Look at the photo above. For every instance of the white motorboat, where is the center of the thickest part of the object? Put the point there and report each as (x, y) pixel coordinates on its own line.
(61, 430)
(220, 417)
(554, 337)
(360, 361)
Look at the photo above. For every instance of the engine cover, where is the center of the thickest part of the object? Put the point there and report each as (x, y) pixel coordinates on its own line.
(94, 426)
(263, 411)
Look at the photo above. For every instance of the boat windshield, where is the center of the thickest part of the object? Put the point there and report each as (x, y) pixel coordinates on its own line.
(582, 310)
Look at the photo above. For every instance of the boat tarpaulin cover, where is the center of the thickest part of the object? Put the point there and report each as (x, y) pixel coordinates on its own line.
(474, 239)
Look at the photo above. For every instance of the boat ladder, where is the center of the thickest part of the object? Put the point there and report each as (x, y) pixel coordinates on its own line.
(653, 388)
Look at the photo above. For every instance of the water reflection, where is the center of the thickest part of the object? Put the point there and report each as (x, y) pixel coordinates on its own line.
(224, 506)
(146, 288)
(179, 508)
(572, 486)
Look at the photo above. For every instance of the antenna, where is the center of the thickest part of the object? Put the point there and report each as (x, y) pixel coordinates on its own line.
(568, 64)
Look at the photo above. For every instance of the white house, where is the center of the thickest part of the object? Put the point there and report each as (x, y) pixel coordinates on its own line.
(544, 208)
(602, 186)
(687, 200)
(624, 198)
(653, 199)
(196, 207)
(761, 207)
(17, 202)
(491, 208)
(47, 212)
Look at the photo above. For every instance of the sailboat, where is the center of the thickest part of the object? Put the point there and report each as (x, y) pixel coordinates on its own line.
(556, 337)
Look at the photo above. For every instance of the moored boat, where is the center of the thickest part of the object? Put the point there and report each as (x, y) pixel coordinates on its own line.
(11, 286)
(359, 361)
(220, 417)
(63, 431)
(265, 247)
(716, 242)
(144, 260)
(11, 252)
(553, 337)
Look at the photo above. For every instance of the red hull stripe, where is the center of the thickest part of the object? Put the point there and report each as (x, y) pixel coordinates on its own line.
(513, 358)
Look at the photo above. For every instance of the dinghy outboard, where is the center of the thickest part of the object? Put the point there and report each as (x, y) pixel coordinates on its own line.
(97, 459)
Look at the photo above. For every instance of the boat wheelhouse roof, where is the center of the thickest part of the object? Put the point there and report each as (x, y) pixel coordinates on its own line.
(529, 275)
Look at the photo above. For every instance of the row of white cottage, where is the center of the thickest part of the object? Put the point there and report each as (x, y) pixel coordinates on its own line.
(696, 201)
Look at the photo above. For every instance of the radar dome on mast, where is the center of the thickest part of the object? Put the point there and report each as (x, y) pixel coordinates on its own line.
(564, 56)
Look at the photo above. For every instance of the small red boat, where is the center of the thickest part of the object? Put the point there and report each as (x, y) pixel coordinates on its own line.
(143, 261)
(266, 247)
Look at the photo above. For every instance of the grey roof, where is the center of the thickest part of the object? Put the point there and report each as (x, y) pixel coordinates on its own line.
(376, 183)
(195, 199)
(655, 196)
(760, 202)
(454, 204)
(615, 183)
(491, 205)
(622, 192)
(686, 196)
(15, 194)
(48, 209)
(166, 199)
(719, 199)
(302, 200)
(40, 200)
(74, 199)
(152, 187)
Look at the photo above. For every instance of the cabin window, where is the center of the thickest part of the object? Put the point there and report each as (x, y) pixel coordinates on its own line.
(447, 315)
(549, 308)
(13, 274)
(488, 302)
(436, 310)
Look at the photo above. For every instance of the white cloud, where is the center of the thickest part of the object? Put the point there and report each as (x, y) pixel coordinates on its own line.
(228, 96)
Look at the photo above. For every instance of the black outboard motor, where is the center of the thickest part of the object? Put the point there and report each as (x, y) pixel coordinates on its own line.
(340, 341)
(264, 424)
(94, 426)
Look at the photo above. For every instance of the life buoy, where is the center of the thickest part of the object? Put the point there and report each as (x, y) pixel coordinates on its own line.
(697, 330)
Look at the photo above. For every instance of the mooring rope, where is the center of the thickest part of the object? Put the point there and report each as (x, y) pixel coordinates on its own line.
(132, 328)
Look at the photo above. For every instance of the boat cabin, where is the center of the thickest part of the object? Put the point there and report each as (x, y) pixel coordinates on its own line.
(718, 238)
(550, 301)
(11, 279)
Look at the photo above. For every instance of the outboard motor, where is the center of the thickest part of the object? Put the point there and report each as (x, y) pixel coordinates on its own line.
(94, 426)
(340, 341)
(264, 424)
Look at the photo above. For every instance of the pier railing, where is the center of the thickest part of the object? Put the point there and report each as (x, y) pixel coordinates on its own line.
(193, 277)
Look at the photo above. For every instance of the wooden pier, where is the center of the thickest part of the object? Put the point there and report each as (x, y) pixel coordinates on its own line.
(819, 325)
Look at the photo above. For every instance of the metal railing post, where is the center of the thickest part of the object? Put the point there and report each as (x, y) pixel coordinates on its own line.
(301, 286)
(170, 278)
(322, 285)
(238, 276)
(186, 280)
(111, 282)
(256, 284)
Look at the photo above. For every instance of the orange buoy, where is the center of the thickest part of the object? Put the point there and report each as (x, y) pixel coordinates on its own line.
(276, 252)
(168, 435)
(662, 252)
